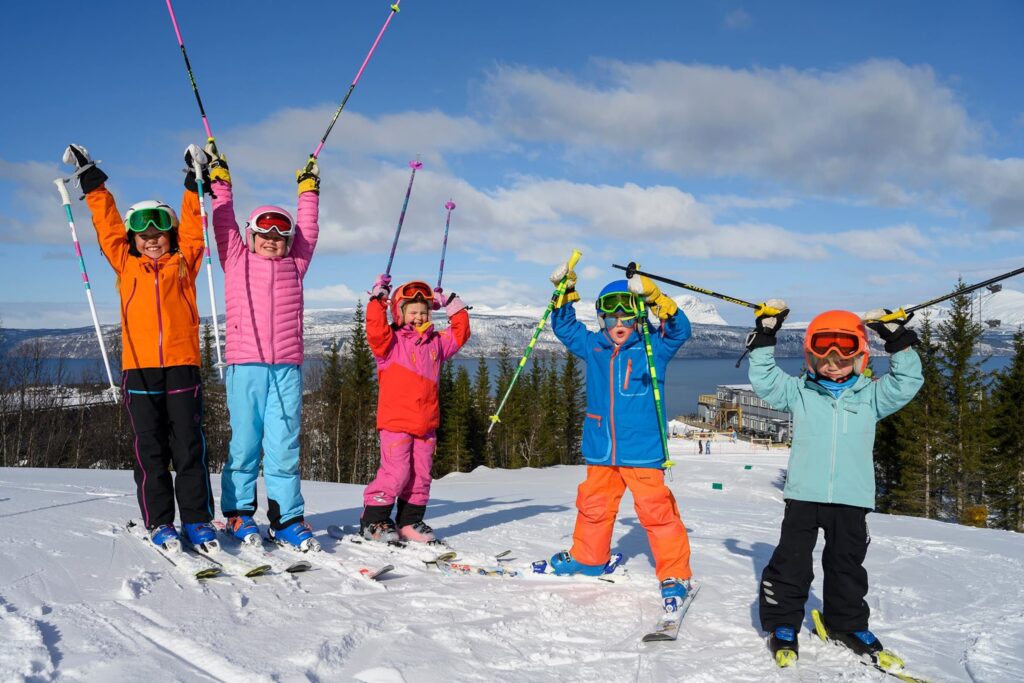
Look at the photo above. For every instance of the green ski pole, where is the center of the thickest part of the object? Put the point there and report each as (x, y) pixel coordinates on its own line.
(645, 331)
(559, 291)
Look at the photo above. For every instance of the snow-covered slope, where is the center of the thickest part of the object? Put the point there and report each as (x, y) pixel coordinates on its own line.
(81, 600)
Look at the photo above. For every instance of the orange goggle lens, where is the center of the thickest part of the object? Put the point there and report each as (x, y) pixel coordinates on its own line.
(415, 289)
(845, 344)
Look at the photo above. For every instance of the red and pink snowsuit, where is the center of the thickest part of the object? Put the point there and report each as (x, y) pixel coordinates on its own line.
(408, 369)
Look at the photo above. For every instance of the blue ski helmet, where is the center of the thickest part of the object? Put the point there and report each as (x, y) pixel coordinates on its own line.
(615, 296)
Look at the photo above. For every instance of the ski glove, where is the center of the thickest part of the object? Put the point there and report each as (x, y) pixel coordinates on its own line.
(440, 300)
(309, 177)
(556, 277)
(87, 173)
(895, 333)
(194, 154)
(645, 287)
(218, 163)
(453, 305)
(381, 287)
(768, 321)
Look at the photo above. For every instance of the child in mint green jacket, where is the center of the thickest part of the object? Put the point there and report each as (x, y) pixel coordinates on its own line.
(831, 479)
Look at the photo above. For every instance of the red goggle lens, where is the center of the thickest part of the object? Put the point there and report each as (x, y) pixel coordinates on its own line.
(845, 344)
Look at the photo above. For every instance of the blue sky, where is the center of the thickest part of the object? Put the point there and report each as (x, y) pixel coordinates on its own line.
(852, 156)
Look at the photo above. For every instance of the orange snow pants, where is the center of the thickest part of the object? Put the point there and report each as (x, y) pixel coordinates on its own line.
(598, 505)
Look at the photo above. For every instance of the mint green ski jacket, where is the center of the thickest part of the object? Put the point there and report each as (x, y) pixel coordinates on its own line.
(832, 459)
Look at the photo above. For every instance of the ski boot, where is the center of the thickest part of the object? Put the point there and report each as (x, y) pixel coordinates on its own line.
(165, 536)
(673, 593)
(243, 527)
(201, 535)
(418, 532)
(863, 643)
(784, 646)
(564, 564)
(298, 535)
(382, 532)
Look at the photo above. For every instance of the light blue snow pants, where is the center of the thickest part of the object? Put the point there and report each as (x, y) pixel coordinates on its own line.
(265, 402)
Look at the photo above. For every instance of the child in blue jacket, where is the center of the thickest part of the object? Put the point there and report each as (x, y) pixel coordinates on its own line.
(621, 438)
(831, 480)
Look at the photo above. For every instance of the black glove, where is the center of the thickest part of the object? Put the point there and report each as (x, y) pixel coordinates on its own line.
(768, 322)
(896, 335)
(192, 155)
(87, 174)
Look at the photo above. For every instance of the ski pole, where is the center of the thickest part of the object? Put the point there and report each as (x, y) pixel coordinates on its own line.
(61, 183)
(902, 313)
(188, 67)
(414, 165)
(450, 205)
(198, 169)
(658, 407)
(559, 291)
(631, 268)
(315, 154)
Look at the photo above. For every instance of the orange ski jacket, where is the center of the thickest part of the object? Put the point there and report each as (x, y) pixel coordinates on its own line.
(159, 318)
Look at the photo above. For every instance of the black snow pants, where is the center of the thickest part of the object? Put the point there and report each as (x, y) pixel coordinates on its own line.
(165, 409)
(786, 580)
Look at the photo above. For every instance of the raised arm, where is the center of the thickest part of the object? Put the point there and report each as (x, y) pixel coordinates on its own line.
(675, 326)
(379, 334)
(779, 388)
(110, 230)
(230, 245)
(457, 334)
(307, 226)
(904, 379)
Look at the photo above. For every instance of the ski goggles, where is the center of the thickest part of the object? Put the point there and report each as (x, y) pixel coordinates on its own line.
(413, 290)
(141, 220)
(615, 302)
(610, 322)
(272, 221)
(845, 344)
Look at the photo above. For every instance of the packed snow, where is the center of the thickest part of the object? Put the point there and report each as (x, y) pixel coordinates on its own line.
(80, 599)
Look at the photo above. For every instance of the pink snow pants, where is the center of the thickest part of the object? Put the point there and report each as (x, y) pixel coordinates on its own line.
(404, 472)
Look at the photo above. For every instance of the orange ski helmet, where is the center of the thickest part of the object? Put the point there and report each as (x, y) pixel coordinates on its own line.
(840, 331)
(415, 290)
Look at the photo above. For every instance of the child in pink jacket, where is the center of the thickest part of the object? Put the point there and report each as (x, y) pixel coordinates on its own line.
(263, 275)
(409, 353)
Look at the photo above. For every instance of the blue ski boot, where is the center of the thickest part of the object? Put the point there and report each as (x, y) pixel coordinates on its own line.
(243, 527)
(298, 536)
(673, 593)
(163, 535)
(861, 642)
(201, 534)
(564, 564)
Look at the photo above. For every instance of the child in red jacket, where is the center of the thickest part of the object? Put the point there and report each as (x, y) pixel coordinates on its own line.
(409, 353)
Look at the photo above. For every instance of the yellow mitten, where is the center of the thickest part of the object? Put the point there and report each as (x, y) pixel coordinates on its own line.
(643, 286)
(309, 177)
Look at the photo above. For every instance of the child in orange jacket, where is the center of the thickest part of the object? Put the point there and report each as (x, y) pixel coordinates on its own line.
(156, 260)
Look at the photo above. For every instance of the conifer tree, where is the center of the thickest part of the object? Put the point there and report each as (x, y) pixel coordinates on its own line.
(482, 409)
(359, 402)
(966, 394)
(1005, 468)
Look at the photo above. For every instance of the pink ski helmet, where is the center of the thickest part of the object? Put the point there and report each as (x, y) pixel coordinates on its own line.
(263, 219)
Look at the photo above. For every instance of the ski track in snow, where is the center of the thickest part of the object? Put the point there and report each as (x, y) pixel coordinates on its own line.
(91, 603)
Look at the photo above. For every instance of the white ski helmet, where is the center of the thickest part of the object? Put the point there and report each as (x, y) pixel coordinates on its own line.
(150, 204)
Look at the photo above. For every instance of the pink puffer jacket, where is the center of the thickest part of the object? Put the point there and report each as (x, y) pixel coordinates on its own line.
(264, 296)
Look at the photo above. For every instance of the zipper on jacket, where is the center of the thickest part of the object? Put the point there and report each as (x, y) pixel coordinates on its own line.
(273, 344)
(835, 430)
(629, 371)
(159, 315)
(611, 396)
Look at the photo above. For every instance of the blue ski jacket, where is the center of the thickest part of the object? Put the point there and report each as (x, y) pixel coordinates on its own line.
(832, 459)
(621, 424)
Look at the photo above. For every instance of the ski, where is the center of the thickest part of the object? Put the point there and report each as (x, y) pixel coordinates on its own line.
(885, 661)
(667, 627)
(197, 567)
(614, 573)
(257, 552)
(215, 552)
(427, 553)
(335, 562)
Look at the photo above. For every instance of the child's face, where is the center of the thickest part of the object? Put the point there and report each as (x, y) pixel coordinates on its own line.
(271, 244)
(620, 333)
(152, 242)
(835, 367)
(415, 313)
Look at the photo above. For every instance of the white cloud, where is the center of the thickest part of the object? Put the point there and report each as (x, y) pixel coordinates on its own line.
(738, 19)
(335, 295)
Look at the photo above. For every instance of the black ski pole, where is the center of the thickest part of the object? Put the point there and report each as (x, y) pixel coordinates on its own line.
(903, 313)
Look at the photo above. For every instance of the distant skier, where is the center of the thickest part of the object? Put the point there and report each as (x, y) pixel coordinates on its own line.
(831, 480)
(621, 438)
(409, 353)
(263, 275)
(700, 446)
(707, 447)
(156, 261)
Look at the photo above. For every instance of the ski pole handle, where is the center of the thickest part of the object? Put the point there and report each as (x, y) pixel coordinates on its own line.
(575, 258)
(896, 316)
(61, 184)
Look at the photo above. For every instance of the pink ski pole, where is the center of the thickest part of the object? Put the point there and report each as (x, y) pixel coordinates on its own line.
(315, 154)
(450, 205)
(414, 165)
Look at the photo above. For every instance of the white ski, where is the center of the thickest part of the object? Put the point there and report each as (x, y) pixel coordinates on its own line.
(668, 625)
